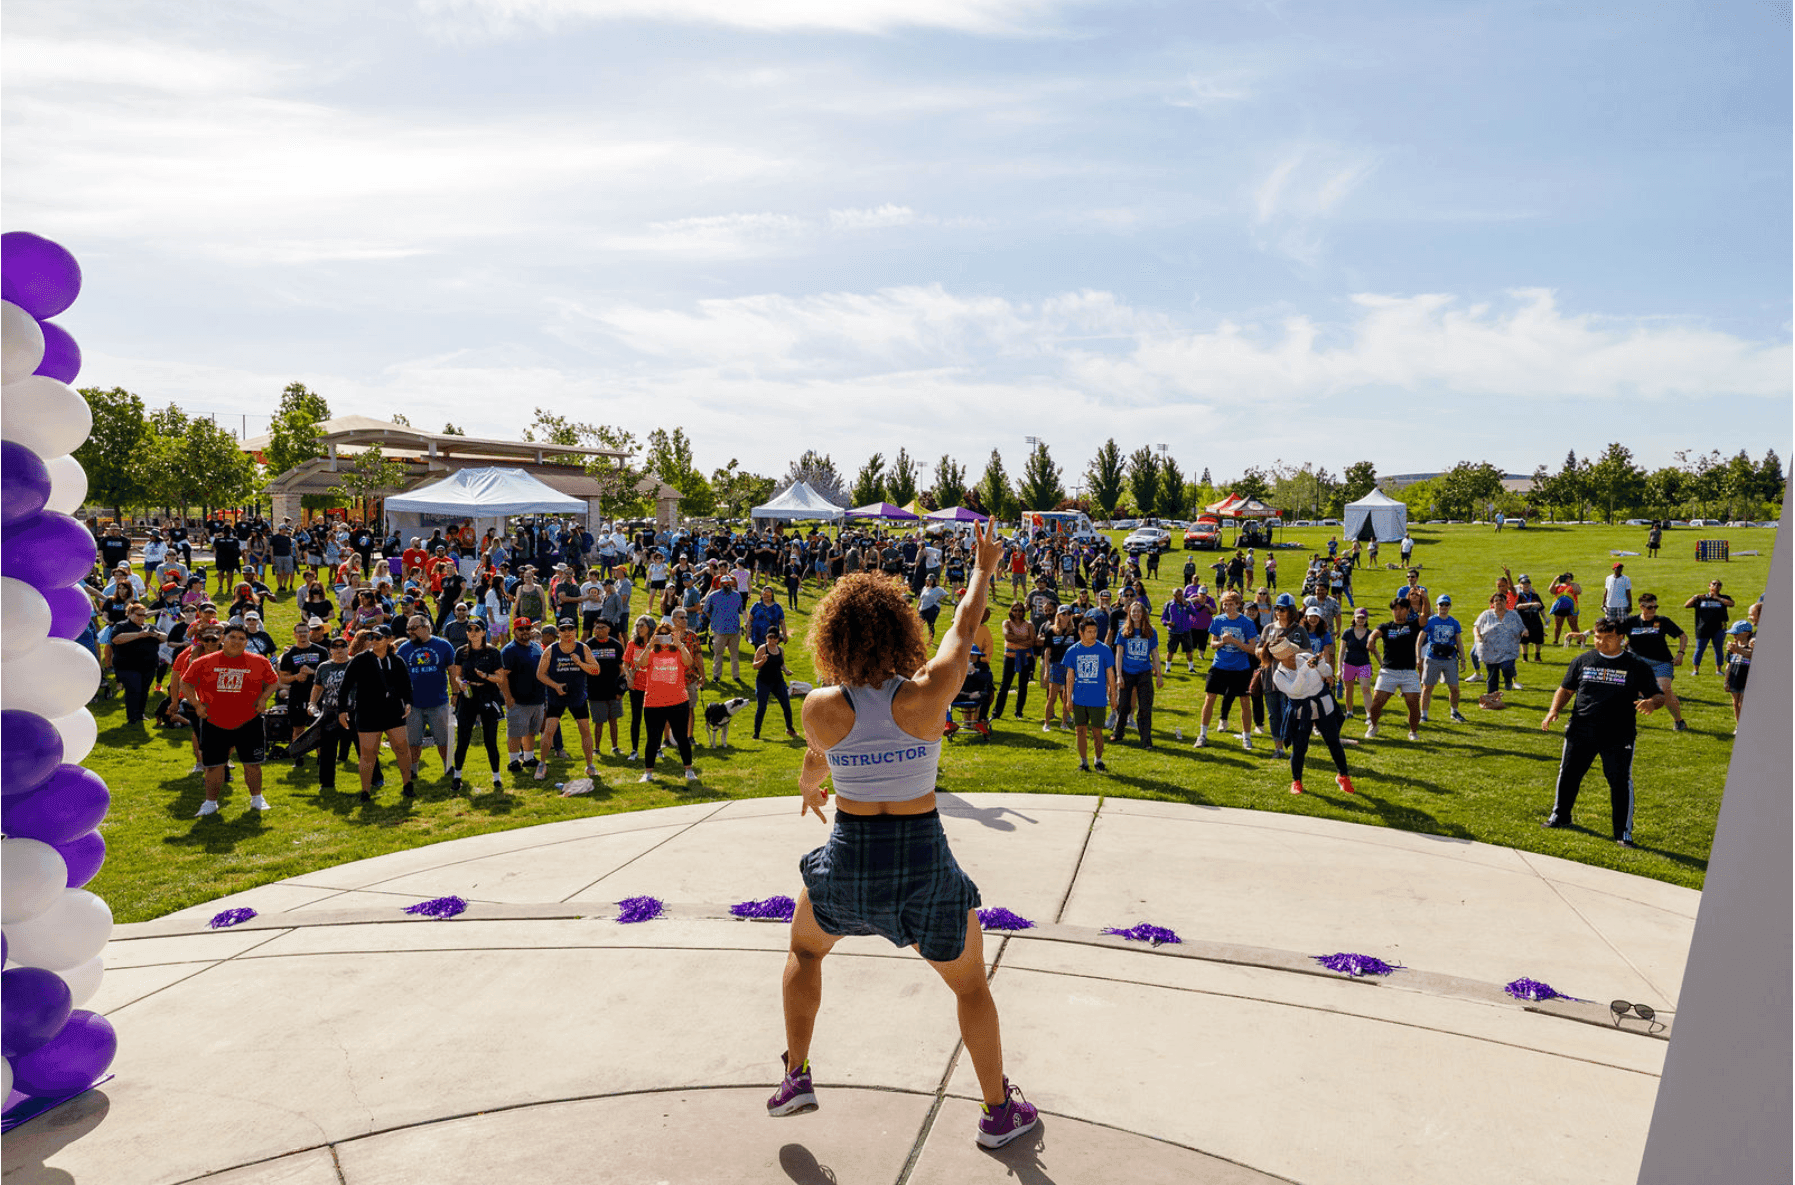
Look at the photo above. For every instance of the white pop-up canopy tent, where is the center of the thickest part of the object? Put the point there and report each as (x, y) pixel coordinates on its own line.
(485, 495)
(798, 502)
(1376, 516)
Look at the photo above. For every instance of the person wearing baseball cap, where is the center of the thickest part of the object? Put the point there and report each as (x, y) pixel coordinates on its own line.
(1532, 608)
(724, 606)
(1739, 642)
(1442, 656)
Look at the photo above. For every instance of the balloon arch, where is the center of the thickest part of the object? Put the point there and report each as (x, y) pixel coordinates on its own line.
(52, 930)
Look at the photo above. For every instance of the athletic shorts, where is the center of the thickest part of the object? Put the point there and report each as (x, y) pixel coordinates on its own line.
(1406, 682)
(1089, 716)
(366, 722)
(894, 876)
(1662, 670)
(1533, 630)
(438, 718)
(606, 709)
(1438, 669)
(215, 744)
(1736, 673)
(1223, 682)
(283, 565)
(523, 720)
(1564, 607)
(578, 709)
(1056, 675)
(1353, 673)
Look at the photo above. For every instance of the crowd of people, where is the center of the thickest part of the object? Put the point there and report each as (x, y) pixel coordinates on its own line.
(430, 638)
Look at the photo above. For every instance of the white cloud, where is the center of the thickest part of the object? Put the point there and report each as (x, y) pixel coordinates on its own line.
(34, 63)
(1006, 17)
(1301, 193)
(882, 216)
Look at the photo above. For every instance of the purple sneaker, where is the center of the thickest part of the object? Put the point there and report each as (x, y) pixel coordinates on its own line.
(1015, 1116)
(795, 1092)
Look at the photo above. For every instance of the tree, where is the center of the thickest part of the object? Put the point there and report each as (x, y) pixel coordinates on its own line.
(900, 480)
(1206, 480)
(869, 483)
(1360, 479)
(1741, 486)
(1040, 487)
(110, 453)
(369, 475)
(994, 492)
(620, 493)
(399, 418)
(452, 430)
(950, 483)
(1770, 477)
(818, 471)
(1143, 480)
(1251, 484)
(1174, 498)
(1571, 490)
(192, 461)
(1615, 482)
(738, 491)
(670, 457)
(1303, 492)
(293, 432)
(1105, 477)
(1464, 490)
(1665, 490)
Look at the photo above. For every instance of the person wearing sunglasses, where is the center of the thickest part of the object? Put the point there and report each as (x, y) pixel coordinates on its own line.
(326, 700)
(229, 689)
(134, 650)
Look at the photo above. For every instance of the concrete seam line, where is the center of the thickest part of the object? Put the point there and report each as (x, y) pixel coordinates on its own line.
(209, 966)
(639, 855)
(1078, 866)
(1606, 941)
(1557, 881)
(336, 1162)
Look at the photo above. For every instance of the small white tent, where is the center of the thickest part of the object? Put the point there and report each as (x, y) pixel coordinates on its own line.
(798, 502)
(484, 496)
(1376, 516)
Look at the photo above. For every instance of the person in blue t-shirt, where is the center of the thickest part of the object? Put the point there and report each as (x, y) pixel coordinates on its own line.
(1137, 661)
(428, 661)
(524, 709)
(724, 607)
(1091, 686)
(1442, 655)
(1236, 641)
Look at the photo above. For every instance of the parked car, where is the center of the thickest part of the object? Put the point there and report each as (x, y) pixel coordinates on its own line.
(1704, 522)
(1203, 535)
(1148, 539)
(1639, 522)
(1330, 522)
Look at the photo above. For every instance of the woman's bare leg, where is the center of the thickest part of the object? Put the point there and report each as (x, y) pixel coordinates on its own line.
(978, 1011)
(802, 988)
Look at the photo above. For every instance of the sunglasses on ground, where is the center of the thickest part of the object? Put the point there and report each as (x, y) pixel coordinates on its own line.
(1645, 1012)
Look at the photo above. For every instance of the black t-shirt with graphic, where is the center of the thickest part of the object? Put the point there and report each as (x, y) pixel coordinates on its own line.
(485, 661)
(608, 654)
(1399, 644)
(1710, 616)
(293, 659)
(1607, 688)
(1650, 639)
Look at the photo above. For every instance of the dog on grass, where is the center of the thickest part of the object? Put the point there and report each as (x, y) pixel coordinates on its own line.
(716, 719)
(1578, 638)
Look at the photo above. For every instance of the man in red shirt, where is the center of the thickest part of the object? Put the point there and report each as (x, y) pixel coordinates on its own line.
(228, 689)
(414, 556)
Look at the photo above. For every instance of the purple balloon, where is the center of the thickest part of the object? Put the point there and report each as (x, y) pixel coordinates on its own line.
(36, 274)
(73, 1059)
(48, 550)
(70, 611)
(62, 357)
(73, 801)
(24, 483)
(84, 854)
(34, 1005)
(30, 751)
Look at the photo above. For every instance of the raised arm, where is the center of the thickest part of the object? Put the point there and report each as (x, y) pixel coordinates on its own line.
(941, 677)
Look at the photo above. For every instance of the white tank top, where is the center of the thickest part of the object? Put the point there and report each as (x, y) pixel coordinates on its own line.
(878, 761)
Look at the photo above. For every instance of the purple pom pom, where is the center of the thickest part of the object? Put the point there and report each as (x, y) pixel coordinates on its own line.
(999, 918)
(1145, 932)
(1533, 989)
(440, 908)
(1356, 965)
(778, 909)
(231, 917)
(639, 909)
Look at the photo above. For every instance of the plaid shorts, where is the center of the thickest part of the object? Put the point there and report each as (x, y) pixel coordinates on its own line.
(891, 875)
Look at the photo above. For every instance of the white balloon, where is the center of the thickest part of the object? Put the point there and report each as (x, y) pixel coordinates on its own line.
(52, 679)
(84, 980)
(24, 618)
(46, 416)
(21, 343)
(79, 730)
(32, 879)
(73, 930)
(68, 484)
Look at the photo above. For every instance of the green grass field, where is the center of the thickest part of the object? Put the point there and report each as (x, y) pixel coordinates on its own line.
(1489, 780)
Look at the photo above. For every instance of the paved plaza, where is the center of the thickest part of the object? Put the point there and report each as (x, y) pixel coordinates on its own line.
(334, 1039)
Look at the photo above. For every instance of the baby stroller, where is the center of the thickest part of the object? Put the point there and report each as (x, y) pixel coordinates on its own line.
(969, 706)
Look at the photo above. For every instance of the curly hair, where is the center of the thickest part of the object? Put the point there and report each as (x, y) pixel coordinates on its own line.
(863, 632)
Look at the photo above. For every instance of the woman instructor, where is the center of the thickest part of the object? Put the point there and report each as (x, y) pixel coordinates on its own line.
(886, 868)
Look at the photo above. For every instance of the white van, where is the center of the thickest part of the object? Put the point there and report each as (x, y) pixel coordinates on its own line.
(1075, 523)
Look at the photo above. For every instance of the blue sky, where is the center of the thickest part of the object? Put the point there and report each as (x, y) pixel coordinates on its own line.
(1411, 233)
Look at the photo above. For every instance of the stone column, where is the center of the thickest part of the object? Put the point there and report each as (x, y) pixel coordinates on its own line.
(284, 506)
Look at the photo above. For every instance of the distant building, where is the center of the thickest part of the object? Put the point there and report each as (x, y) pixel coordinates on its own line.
(1514, 483)
(431, 456)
